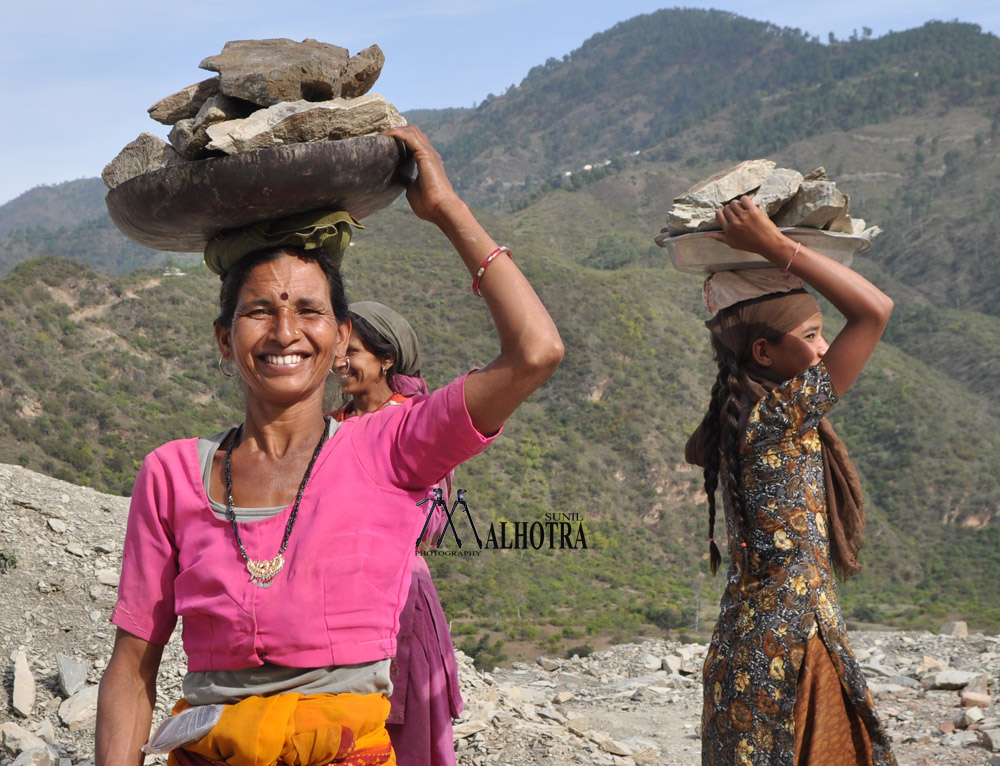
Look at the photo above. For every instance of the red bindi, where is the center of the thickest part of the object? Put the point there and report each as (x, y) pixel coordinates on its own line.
(284, 296)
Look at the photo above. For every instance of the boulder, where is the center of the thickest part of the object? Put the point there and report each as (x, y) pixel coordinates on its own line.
(361, 72)
(969, 717)
(819, 174)
(39, 756)
(187, 139)
(958, 629)
(108, 577)
(146, 153)
(695, 209)
(302, 121)
(930, 664)
(780, 186)
(190, 137)
(649, 662)
(185, 103)
(975, 699)
(814, 205)
(16, 739)
(991, 738)
(24, 686)
(950, 679)
(80, 709)
(268, 72)
(72, 675)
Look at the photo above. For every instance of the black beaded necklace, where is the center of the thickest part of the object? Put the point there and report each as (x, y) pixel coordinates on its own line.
(262, 573)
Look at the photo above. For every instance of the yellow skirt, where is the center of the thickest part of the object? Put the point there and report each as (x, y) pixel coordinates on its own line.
(295, 730)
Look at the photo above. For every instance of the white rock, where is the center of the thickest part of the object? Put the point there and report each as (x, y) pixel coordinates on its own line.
(649, 662)
(958, 629)
(17, 740)
(816, 204)
(80, 709)
(301, 121)
(991, 738)
(778, 187)
(950, 679)
(970, 716)
(72, 675)
(24, 686)
(695, 209)
(57, 525)
(46, 731)
(39, 756)
(108, 577)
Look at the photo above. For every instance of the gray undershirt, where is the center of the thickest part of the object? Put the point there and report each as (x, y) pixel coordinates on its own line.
(210, 687)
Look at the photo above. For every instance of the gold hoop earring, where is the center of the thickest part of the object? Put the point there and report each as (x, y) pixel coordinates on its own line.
(341, 369)
(223, 369)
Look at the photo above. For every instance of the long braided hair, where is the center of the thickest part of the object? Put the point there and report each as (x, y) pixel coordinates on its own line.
(722, 428)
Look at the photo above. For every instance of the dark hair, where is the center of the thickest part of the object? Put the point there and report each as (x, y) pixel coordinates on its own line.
(732, 396)
(233, 279)
(376, 343)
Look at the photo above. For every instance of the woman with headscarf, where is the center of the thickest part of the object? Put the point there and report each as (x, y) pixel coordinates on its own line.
(782, 685)
(382, 369)
(286, 543)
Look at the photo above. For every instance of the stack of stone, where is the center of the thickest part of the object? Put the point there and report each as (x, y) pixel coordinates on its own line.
(788, 197)
(267, 93)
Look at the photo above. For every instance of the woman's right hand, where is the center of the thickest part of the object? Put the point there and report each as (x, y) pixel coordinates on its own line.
(746, 227)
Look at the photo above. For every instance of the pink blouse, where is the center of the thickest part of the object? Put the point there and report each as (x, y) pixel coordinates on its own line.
(347, 565)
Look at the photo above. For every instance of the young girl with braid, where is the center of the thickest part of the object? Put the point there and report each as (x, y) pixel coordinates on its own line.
(782, 685)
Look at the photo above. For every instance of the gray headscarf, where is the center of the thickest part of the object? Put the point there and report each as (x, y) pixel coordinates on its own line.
(395, 329)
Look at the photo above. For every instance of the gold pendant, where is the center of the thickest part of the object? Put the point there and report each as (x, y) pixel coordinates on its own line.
(262, 573)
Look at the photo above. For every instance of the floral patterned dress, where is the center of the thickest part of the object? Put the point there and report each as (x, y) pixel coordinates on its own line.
(769, 613)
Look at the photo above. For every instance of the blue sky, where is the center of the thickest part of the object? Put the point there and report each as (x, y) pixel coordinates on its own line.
(78, 77)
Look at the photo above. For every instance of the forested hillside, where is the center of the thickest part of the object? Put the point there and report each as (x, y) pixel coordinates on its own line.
(103, 367)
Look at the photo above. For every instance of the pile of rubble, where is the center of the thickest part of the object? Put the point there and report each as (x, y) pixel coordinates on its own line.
(788, 197)
(267, 93)
(628, 705)
(641, 704)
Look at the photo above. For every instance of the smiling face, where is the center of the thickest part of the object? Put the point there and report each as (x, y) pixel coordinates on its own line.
(365, 376)
(284, 333)
(795, 351)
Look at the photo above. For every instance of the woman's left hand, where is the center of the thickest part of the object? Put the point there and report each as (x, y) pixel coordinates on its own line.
(530, 347)
(431, 195)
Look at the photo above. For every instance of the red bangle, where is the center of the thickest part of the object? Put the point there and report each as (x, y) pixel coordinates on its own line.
(485, 265)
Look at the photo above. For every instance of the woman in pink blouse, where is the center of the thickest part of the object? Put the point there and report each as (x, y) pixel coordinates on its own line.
(285, 544)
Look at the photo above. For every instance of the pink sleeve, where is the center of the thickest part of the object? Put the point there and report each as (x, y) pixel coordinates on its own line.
(423, 439)
(145, 606)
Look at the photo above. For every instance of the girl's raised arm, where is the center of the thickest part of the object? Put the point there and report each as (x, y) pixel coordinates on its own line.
(866, 308)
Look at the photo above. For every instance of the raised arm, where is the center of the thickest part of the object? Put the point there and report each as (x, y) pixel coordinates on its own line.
(530, 346)
(125, 701)
(866, 308)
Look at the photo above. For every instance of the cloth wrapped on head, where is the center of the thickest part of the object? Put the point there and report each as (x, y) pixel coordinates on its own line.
(724, 288)
(325, 230)
(392, 326)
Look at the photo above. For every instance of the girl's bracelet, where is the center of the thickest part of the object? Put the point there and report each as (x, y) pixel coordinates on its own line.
(798, 246)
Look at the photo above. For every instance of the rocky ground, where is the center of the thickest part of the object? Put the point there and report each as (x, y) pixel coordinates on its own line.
(60, 547)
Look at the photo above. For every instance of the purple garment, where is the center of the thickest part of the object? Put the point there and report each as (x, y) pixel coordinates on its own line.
(426, 695)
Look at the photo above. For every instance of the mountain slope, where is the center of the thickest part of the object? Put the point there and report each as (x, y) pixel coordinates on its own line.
(104, 368)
